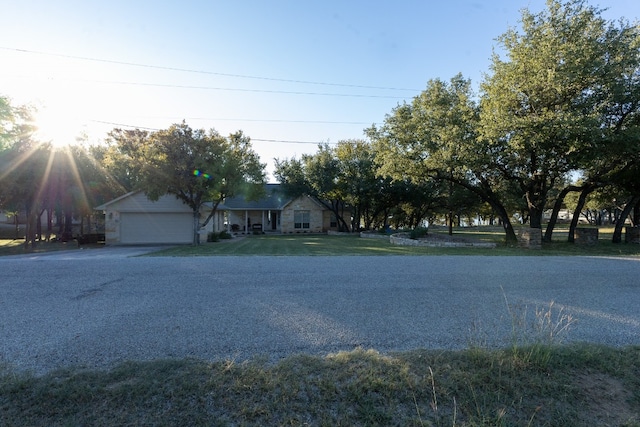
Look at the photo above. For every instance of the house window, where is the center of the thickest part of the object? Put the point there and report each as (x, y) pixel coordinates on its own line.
(301, 219)
(333, 223)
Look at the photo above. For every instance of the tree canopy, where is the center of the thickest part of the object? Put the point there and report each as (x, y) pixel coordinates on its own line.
(194, 165)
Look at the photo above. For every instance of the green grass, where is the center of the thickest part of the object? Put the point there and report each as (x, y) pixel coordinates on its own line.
(582, 385)
(316, 245)
(17, 247)
(345, 245)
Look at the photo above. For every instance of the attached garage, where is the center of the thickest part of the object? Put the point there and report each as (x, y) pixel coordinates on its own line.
(139, 228)
(133, 219)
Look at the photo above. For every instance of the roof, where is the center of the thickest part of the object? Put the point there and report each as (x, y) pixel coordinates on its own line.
(124, 196)
(274, 199)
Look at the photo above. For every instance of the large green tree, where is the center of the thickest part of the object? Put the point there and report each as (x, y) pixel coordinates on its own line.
(318, 176)
(541, 104)
(194, 165)
(436, 138)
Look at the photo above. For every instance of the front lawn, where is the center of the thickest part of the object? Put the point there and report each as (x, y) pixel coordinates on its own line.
(324, 245)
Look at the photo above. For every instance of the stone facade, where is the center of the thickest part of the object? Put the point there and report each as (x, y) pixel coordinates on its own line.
(530, 238)
(316, 217)
(585, 236)
(632, 235)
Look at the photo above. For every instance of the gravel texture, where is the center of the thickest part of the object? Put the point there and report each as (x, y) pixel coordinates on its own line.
(94, 308)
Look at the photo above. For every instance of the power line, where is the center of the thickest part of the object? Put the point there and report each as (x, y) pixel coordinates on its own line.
(227, 89)
(292, 142)
(186, 70)
(285, 92)
(231, 119)
(252, 139)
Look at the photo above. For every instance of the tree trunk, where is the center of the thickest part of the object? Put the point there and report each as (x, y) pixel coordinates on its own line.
(586, 190)
(617, 233)
(39, 226)
(556, 209)
(30, 229)
(196, 227)
(510, 234)
(49, 224)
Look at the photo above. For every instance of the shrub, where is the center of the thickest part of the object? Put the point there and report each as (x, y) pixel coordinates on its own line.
(418, 232)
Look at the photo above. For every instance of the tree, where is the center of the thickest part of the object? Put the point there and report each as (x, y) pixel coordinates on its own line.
(315, 175)
(194, 165)
(436, 137)
(540, 106)
(16, 123)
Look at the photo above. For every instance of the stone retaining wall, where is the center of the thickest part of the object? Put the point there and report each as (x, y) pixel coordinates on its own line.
(402, 239)
(369, 235)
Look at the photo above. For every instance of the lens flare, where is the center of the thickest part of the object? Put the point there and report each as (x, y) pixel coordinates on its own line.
(197, 172)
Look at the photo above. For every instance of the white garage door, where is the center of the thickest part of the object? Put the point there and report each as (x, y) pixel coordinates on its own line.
(143, 228)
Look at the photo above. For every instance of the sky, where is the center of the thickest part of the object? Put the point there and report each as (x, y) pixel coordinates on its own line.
(289, 73)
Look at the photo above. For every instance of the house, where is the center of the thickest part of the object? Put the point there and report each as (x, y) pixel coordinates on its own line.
(276, 213)
(134, 219)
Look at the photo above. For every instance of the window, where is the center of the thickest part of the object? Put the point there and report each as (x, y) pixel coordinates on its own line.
(301, 219)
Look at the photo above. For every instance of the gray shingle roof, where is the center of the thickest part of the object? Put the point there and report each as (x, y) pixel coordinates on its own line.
(273, 200)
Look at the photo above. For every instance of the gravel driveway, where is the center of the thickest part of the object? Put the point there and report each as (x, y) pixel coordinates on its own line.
(98, 307)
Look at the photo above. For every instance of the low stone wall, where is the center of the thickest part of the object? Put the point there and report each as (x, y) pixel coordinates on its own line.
(374, 235)
(338, 233)
(632, 235)
(403, 239)
(585, 236)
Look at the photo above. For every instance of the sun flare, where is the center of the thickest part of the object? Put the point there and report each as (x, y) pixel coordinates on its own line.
(58, 125)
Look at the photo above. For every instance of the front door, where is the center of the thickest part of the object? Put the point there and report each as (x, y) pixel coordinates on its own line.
(274, 221)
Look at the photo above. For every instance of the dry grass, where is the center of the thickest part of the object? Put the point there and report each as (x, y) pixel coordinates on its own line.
(580, 386)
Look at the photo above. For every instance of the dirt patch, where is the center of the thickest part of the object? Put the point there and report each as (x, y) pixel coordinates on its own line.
(607, 401)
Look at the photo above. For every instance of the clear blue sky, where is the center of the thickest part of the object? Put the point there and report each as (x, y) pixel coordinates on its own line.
(299, 71)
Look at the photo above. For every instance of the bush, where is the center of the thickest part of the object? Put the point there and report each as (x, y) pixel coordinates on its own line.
(418, 232)
(214, 237)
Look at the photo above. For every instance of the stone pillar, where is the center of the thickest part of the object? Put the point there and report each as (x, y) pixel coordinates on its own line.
(585, 236)
(530, 238)
(632, 234)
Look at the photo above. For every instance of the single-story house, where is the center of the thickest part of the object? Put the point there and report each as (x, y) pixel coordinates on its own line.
(134, 219)
(276, 213)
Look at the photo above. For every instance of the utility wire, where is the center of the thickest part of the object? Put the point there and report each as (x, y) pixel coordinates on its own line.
(252, 139)
(227, 89)
(285, 92)
(186, 70)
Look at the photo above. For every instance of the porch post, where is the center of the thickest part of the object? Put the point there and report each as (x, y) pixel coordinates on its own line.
(262, 224)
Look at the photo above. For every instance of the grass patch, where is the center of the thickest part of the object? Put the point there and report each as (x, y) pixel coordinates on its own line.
(17, 247)
(324, 245)
(581, 385)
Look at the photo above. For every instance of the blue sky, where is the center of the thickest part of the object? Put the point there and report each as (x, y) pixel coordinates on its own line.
(290, 74)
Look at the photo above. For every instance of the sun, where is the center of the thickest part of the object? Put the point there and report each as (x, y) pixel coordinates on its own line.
(58, 124)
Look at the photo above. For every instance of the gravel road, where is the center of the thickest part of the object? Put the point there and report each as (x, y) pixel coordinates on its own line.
(98, 307)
